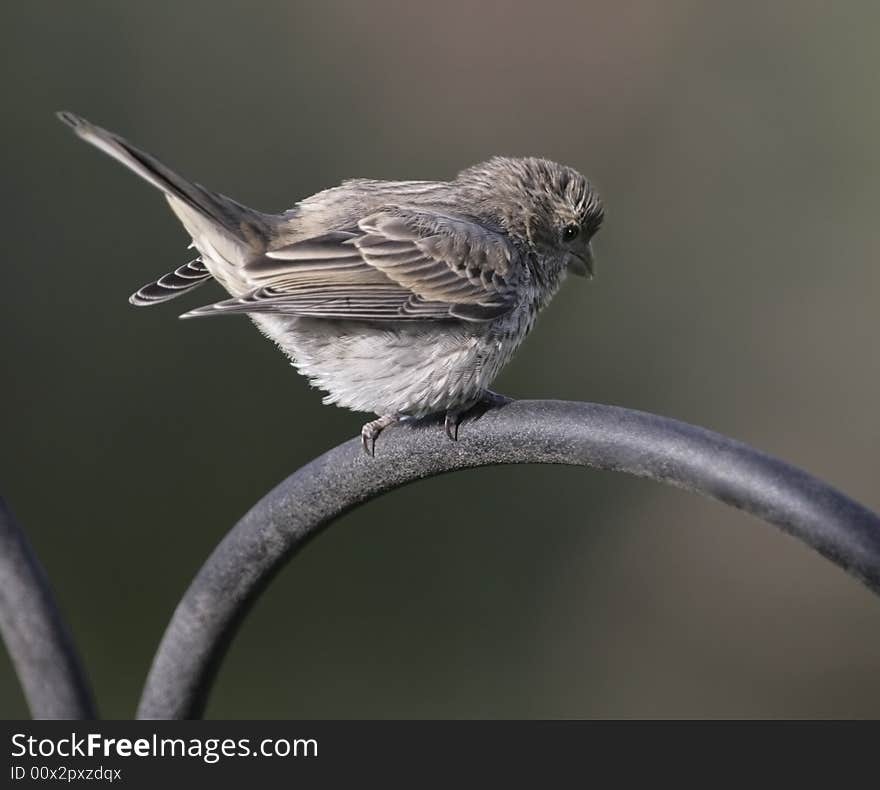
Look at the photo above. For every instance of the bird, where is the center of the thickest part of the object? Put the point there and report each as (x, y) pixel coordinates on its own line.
(401, 299)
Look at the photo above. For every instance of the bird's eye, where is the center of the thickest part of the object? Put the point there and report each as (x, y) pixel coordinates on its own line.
(570, 232)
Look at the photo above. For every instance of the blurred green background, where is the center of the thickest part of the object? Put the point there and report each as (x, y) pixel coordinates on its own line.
(735, 146)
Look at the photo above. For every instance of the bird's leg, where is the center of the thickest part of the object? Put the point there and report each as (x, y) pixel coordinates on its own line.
(454, 417)
(451, 423)
(371, 431)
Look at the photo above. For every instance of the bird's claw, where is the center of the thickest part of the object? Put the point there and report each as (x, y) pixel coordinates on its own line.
(451, 423)
(454, 417)
(370, 432)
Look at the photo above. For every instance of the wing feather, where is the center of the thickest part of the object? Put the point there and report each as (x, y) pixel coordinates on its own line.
(169, 286)
(398, 264)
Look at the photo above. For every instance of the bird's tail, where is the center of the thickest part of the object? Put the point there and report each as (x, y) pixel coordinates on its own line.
(220, 227)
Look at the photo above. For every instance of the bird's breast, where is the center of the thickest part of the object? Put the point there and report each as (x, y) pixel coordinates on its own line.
(415, 369)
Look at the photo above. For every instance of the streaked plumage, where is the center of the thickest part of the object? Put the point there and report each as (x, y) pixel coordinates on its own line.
(169, 286)
(401, 298)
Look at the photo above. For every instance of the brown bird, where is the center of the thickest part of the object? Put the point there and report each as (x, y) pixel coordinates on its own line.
(397, 298)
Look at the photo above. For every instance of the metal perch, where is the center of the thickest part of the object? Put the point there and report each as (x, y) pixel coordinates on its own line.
(240, 568)
(36, 636)
(550, 432)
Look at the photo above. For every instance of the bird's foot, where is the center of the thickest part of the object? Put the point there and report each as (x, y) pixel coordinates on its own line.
(490, 400)
(451, 423)
(370, 432)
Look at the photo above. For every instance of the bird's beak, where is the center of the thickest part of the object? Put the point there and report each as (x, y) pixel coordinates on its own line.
(582, 265)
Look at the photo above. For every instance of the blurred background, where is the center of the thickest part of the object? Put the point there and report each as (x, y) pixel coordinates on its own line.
(735, 146)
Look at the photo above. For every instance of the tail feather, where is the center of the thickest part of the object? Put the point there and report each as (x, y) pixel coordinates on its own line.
(169, 286)
(244, 224)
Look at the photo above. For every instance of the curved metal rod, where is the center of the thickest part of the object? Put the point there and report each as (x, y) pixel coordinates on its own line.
(554, 432)
(36, 636)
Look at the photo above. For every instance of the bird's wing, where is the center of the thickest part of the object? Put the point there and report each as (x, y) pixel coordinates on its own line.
(397, 264)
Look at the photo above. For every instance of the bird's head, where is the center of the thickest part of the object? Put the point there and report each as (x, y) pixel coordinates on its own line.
(550, 207)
